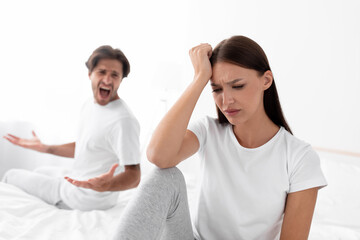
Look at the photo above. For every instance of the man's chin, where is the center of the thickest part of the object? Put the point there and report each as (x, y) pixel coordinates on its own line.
(102, 102)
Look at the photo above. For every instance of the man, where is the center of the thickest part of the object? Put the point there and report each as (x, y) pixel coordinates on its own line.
(108, 137)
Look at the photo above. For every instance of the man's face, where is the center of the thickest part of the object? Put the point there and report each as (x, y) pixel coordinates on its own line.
(105, 80)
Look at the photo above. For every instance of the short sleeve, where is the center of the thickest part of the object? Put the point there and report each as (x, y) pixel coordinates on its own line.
(125, 142)
(200, 128)
(306, 172)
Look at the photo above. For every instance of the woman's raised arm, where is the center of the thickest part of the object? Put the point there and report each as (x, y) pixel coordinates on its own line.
(171, 142)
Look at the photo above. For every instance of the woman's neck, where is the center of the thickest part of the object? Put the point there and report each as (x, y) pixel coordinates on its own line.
(255, 133)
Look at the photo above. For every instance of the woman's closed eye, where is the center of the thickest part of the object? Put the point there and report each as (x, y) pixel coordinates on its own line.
(239, 86)
(216, 90)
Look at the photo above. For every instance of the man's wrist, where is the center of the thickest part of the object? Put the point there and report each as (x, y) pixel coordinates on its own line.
(110, 185)
(47, 149)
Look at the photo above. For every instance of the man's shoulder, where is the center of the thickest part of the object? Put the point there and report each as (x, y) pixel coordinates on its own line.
(119, 109)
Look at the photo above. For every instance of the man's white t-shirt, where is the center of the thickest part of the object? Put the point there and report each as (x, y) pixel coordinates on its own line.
(243, 191)
(107, 135)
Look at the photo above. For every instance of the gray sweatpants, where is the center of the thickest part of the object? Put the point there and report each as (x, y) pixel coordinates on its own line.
(159, 210)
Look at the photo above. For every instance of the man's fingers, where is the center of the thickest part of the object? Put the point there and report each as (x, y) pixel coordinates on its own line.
(7, 138)
(96, 179)
(13, 141)
(113, 168)
(83, 184)
(70, 180)
(12, 136)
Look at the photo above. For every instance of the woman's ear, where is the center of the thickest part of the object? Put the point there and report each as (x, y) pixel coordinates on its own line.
(268, 79)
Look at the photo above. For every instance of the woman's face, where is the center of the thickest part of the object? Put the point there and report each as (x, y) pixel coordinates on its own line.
(238, 92)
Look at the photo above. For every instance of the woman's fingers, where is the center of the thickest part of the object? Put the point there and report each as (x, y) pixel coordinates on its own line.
(200, 59)
(200, 48)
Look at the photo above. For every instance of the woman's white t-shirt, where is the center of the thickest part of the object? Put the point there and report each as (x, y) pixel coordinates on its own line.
(243, 191)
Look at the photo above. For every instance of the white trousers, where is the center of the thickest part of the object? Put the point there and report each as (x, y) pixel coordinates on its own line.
(43, 183)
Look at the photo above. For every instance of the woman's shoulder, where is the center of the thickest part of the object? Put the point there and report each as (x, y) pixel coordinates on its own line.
(295, 146)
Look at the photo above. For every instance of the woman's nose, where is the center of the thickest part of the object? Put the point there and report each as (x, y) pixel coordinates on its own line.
(227, 98)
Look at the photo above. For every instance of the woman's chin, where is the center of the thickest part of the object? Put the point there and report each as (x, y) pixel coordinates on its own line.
(235, 121)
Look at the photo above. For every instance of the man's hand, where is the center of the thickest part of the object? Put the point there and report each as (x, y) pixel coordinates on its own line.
(100, 183)
(33, 143)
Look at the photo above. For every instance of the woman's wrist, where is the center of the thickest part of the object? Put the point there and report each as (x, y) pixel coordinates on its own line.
(202, 77)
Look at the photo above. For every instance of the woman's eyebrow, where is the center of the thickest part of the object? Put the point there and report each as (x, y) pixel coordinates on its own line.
(228, 83)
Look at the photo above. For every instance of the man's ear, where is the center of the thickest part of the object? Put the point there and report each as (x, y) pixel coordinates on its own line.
(268, 77)
(89, 74)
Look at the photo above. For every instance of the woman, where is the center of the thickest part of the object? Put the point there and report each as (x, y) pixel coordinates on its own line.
(258, 180)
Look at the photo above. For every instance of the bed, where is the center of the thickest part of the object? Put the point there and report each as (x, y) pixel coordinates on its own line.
(23, 216)
(337, 214)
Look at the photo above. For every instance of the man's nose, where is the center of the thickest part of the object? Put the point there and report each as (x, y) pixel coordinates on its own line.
(107, 79)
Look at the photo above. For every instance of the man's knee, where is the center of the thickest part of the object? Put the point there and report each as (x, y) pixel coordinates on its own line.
(9, 175)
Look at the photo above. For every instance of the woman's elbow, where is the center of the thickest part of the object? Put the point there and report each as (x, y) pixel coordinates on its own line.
(157, 159)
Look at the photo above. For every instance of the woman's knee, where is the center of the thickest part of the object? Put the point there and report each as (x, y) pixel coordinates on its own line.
(167, 174)
(165, 177)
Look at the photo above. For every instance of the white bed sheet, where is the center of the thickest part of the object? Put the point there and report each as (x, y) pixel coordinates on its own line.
(22, 216)
(337, 212)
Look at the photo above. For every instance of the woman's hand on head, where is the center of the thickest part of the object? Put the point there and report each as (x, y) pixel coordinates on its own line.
(200, 56)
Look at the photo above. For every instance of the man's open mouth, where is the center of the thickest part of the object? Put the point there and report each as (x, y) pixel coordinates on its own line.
(104, 92)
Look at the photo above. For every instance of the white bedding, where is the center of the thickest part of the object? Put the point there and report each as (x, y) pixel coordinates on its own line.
(23, 216)
(337, 214)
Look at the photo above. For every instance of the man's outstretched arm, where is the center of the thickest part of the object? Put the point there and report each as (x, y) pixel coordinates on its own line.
(128, 179)
(64, 150)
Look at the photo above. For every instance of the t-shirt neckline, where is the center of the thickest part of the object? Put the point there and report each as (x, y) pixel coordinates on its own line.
(107, 105)
(268, 143)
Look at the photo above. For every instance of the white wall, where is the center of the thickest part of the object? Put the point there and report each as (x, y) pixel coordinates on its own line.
(313, 48)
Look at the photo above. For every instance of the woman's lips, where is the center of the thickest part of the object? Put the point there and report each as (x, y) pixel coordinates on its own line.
(231, 112)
